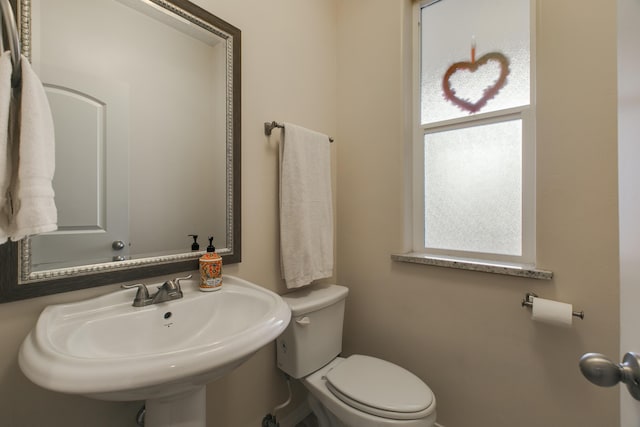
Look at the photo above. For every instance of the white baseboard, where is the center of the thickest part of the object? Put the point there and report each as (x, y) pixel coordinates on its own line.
(297, 415)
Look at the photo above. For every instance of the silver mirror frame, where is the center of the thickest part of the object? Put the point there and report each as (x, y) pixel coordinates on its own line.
(18, 281)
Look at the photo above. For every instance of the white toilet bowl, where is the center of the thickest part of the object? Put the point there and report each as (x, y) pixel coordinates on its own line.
(388, 396)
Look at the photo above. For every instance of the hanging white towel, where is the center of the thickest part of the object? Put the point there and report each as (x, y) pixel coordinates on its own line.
(306, 211)
(5, 158)
(34, 209)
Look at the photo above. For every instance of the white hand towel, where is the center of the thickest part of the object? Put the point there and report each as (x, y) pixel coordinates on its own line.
(34, 209)
(306, 211)
(5, 157)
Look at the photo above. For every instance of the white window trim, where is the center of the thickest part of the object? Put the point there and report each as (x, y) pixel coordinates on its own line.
(524, 265)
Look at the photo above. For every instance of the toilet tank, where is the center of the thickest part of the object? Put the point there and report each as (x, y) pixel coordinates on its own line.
(314, 335)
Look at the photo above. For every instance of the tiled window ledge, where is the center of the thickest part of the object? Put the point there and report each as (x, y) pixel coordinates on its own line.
(475, 265)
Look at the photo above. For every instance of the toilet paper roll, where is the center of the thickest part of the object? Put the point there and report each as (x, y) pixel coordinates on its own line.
(552, 312)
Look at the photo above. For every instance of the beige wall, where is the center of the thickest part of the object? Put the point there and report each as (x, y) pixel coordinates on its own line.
(464, 332)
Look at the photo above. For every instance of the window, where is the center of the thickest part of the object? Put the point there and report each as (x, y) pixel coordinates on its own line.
(474, 152)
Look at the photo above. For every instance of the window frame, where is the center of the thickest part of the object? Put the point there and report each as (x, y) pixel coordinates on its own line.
(525, 113)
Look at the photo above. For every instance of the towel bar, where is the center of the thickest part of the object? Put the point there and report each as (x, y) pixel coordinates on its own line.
(268, 127)
(14, 41)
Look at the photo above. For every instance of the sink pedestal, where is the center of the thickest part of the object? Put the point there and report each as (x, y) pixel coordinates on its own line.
(183, 410)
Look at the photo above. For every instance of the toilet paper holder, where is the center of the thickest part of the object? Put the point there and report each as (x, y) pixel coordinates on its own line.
(528, 302)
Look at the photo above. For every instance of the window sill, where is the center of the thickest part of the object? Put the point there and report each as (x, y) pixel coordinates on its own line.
(475, 265)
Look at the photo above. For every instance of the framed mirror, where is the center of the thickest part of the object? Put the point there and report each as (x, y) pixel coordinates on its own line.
(145, 96)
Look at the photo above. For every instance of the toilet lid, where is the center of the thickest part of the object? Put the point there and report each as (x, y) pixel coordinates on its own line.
(380, 388)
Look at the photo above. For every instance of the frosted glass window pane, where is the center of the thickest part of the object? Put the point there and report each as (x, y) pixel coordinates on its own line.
(447, 29)
(473, 182)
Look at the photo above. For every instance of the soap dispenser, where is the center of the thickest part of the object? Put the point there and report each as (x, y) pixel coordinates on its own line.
(210, 269)
(195, 246)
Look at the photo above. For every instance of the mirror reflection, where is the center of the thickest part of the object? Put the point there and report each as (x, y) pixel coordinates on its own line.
(140, 117)
(145, 96)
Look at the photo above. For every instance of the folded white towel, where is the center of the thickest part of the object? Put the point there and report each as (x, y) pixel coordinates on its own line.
(306, 212)
(34, 209)
(5, 157)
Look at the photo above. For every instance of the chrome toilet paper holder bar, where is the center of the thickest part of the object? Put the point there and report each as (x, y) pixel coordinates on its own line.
(528, 302)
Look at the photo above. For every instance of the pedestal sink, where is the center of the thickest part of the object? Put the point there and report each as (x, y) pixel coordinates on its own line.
(163, 353)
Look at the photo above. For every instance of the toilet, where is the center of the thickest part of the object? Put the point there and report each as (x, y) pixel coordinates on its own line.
(356, 391)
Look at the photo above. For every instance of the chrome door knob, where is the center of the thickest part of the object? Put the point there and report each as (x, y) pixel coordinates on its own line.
(118, 245)
(601, 371)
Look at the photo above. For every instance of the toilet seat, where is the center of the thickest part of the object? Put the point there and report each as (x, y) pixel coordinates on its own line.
(380, 388)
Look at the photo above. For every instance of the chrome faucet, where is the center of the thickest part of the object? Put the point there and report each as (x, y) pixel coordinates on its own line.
(169, 291)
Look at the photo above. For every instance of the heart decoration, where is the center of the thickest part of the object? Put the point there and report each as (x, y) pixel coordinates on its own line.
(473, 66)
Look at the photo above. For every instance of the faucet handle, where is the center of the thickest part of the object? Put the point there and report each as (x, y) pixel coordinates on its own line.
(178, 279)
(174, 285)
(141, 295)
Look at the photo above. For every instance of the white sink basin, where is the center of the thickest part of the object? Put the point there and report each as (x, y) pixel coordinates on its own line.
(108, 349)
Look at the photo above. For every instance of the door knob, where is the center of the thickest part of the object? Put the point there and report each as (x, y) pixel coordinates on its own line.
(118, 245)
(601, 371)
